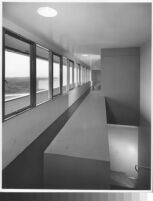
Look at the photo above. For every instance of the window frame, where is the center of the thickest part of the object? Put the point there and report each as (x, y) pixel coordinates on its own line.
(81, 75)
(63, 57)
(61, 74)
(71, 61)
(49, 73)
(31, 54)
(78, 74)
(85, 75)
(75, 74)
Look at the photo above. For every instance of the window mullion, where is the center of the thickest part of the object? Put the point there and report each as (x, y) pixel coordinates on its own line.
(73, 74)
(67, 66)
(33, 75)
(3, 77)
(50, 75)
(61, 75)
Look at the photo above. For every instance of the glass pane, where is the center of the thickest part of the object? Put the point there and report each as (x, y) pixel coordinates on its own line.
(78, 75)
(42, 75)
(64, 75)
(81, 75)
(75, 75)
(56, 75)
(85, 78)
(17, 74)
(71, 75)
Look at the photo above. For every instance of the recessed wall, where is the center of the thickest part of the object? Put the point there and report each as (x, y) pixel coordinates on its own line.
(96, 77)
(144, 157)
(120, 84)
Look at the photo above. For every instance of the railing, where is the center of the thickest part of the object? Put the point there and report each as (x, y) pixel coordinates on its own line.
(137, 167)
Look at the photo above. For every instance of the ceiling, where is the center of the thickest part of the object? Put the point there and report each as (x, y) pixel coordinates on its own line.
(85, 28)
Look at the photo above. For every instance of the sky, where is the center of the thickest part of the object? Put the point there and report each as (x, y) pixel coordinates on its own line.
(17, 65)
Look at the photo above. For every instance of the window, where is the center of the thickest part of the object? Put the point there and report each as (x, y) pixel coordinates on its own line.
(84, 74)
(85, 70)
(32, 74)
(56, 75)
(71, 74)
(87, 75)
(64, 75)
(16, 74)
(75, 75)
(90, 76)
(84, 77)
(42, 75)
(78, 74)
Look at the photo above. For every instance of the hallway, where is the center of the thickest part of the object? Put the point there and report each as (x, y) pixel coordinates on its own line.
(76, 95)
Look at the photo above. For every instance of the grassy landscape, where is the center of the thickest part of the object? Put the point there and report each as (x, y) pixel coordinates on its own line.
(17, 85)
(22, 85)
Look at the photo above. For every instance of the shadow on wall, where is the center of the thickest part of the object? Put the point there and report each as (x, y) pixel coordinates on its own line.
(144, 156)
(119, 113)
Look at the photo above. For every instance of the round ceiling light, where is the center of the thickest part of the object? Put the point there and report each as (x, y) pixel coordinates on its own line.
(47, 12)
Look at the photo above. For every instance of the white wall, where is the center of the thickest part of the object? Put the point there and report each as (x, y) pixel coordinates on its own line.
(123, 148)
(120, 83)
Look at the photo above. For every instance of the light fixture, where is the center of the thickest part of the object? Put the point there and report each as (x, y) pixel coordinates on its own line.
(85, 55)
(47, 12)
